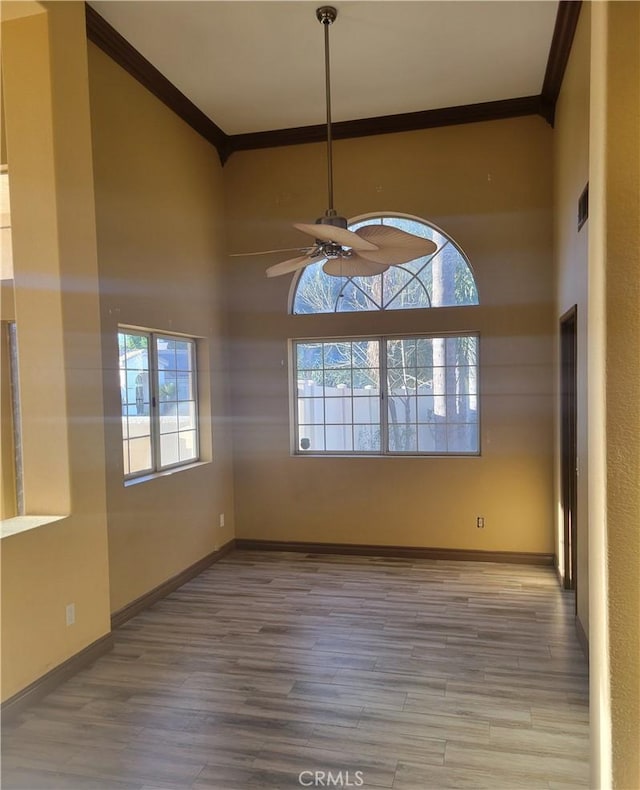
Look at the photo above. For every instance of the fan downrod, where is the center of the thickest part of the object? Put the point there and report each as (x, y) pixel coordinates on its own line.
(326, 14)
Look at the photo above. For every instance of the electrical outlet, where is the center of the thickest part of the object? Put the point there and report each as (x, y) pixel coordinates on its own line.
(480, 522)
(222, 519)
(70, 611)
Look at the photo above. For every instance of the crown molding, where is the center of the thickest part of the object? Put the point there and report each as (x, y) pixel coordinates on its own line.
(563, 35)
(389, 124)
(103, 35)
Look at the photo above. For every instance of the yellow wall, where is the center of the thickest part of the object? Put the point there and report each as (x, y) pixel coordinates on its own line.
(489, 186)
(571, 173)
(622, 257)
(159, 212)
(614, 391)
(8, 502)
(56, 306)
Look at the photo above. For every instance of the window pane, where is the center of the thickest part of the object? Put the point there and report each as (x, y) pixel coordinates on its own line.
(366, 410)
(177, 396)
(140, 454)
(134, 388)
(462, 438)
(338, 410)
(167, 385)
(403, 289)
(443, 380)
(139, 425)
(166, 352)
(185, 386)
(317, 292)
(402, 410)
(354, 300)
(311, 438)
(466, 409)
(339, 438)
(401, 381)
(336, 382)
(402, 438)
(308, 355)
(364, 381)
(310, 383)
(401, 353)
(183, 355)
(138, 396)
(133, 351)
(467, 379)
(466, 350)
(187, 445)
(139, 409)
(310, 411)
(371, 287)
(186, 415)
(424, 380)
(424, 351)
(337, 355)
(168, 417)
(366, 354)
(432, 438)
(425, 409)
(138, 359)
(169, 449)
(366, 438)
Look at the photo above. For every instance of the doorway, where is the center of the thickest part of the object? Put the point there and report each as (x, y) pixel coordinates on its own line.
(568, 442)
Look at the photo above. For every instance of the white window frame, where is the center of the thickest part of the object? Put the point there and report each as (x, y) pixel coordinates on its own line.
(154, 400)
(383, 423)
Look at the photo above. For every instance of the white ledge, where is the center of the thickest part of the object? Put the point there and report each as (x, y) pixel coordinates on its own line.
(18, 524)
(133, 481)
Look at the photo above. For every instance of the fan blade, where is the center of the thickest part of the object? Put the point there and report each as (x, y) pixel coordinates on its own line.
(292, 265)
(269, 252)
(345, 238)
(353, 266)
(395, 246)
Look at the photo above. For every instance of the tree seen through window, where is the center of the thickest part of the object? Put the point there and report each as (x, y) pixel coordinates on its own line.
(442, 279)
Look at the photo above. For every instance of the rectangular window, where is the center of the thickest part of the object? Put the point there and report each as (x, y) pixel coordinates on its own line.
(159, 401)
(390, 396)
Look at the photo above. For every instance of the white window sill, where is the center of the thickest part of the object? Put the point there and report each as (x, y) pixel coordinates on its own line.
(18, 524)
(133, 481)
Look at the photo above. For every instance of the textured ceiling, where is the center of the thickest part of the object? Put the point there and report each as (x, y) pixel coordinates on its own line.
(257, 66)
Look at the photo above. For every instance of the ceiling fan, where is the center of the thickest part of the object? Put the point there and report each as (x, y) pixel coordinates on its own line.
(368, 251)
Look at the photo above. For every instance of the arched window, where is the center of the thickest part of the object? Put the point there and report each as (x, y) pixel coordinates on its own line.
(442, 279)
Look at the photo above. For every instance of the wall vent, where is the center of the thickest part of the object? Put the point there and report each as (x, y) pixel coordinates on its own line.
(583, 207)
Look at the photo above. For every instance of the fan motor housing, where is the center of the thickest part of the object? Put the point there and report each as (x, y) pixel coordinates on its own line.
(332, 219)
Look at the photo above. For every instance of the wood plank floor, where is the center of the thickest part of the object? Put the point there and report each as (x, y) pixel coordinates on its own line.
(418, 674)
